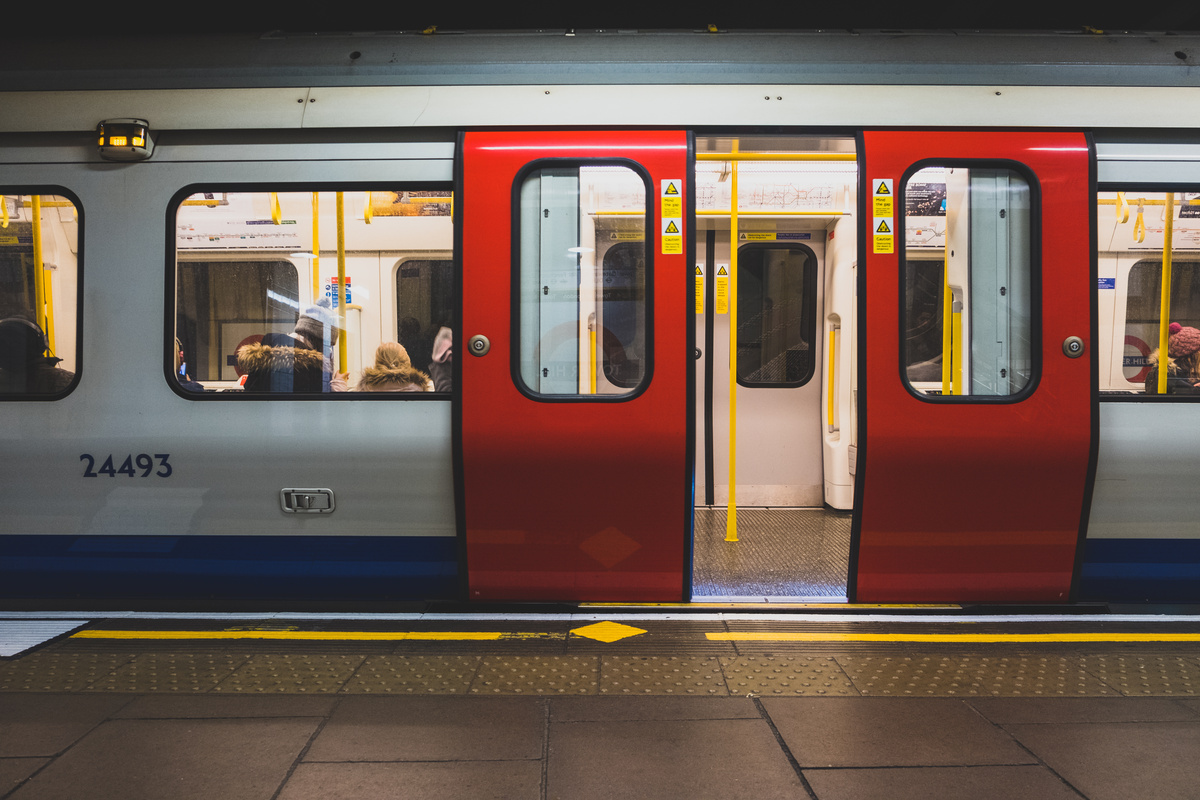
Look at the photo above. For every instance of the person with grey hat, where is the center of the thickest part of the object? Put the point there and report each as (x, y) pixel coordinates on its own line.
(301, 361)
(1183, 362)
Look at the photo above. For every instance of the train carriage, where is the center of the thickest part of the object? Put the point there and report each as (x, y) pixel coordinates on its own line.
(685, 317)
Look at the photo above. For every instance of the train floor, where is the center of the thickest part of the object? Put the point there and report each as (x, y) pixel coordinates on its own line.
(780, 554)
(598, 705)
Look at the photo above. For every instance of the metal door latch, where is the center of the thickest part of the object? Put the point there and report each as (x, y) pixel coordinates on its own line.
(306, 501)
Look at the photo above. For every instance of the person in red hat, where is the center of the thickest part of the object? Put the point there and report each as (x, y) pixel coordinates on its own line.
(1183, 362)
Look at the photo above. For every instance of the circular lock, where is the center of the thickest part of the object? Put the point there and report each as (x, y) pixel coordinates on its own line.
(1073, 347)
(478, 345)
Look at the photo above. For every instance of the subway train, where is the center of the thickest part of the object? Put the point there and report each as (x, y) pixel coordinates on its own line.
(608, 317)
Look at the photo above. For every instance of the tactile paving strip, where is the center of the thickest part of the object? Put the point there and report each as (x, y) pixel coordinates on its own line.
(1147, 676)
(414, 675)
(679, 675)
(536, 675)
(954, 676)
(300, 674)
(786, 675)
(170, 672)
(58, 672)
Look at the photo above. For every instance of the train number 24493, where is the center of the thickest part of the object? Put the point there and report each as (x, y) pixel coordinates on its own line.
(129, 466)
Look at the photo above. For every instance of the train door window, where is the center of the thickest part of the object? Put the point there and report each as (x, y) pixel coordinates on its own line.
(776, 315)
(968, 288)
(582, 277)
(424, 308)
(278, 293)
(39, 295)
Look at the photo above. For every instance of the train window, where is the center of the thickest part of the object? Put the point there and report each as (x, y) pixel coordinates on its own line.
(582, 276)
(265, 305)
(776, 315)
(1142, 307)
(39, 295)
(967, 282)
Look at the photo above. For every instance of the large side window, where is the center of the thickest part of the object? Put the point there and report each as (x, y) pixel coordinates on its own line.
(39, 295)
(285, 293)
(582, 278)
(968, 282)
(777, 301)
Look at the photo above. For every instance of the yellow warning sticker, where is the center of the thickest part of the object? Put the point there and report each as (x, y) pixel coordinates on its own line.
(883, 225)
(756, 236)
(699, 289)
(672, 236)
(672, 198)
(883, 236)
(882, 197)
(722, 290)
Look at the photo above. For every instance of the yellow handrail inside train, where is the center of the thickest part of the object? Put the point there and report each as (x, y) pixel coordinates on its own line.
(368, 212)
(341, 287)
(316, 247)
(1164, 301)
(833, 332)
(276, 211)
(3, 213)
(592, 352)
(39, 270)
(731, 511)
(735, 156)
(947, 326)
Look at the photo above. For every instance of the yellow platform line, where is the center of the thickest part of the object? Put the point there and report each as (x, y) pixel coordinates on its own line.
(786, 636)
(323, 636)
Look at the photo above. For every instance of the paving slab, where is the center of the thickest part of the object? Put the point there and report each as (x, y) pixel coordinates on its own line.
(45, 724)
(1081, 709)
(177, 759)
(889, 732)
(928, 783)
(686, 759)
(477, 780)
(15, 770)
(376, 728)
(214, 706)
(1117, 761)
(661, 707)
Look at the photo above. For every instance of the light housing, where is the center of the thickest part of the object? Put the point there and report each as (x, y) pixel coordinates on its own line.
(125, 140)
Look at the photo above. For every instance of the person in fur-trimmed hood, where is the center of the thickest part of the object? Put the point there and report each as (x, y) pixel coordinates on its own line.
(393, 372)
(300, 361)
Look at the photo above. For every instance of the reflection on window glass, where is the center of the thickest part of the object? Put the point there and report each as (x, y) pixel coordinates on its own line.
(263, 306)
(968, 282)
(582, 277)
(1183, 332)
(776, 315)
(39, 290)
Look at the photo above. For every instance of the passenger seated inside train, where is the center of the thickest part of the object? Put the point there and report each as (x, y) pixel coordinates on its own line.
(1183, 362)
(181, 375)
(393, 372)
(25, 368)
(300, 361)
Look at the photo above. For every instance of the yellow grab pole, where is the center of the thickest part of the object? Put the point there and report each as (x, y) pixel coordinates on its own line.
(731, 515)
(592, 351)
(316, 248)
(1164, 302)
(947, 325)
(341, 290)
(833, 332)
(957, 348)
(39, 271)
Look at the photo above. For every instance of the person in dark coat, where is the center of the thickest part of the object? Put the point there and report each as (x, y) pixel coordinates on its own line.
(1183, 362)
(24, 366)
(300, 361)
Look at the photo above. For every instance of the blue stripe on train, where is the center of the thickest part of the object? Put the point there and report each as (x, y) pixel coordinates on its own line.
(1141, 570)
(232, 567)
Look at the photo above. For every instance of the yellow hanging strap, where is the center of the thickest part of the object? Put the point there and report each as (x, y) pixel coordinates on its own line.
(368, 212)
(316, 248)
(731, 514)
(4, 213)
(1122, 209)
(1139, 225)
(276, 212)
(1164, 301)
(341, 287)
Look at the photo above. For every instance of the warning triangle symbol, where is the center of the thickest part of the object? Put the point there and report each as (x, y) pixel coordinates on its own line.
(883, 188)
(721, 271)
(671, 190)
(883, 227)
(671, 227)
(700, 272)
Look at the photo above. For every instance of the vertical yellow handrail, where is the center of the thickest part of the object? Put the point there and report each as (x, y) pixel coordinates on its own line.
(832, 405)
(947, 323)
(731, 513)
(1164, 301)
(341, 290)
(957, 347)
(592, 352)
(316, 248)
(39, 271)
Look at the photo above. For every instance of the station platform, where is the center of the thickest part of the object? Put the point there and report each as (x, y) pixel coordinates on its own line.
(598, 705)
